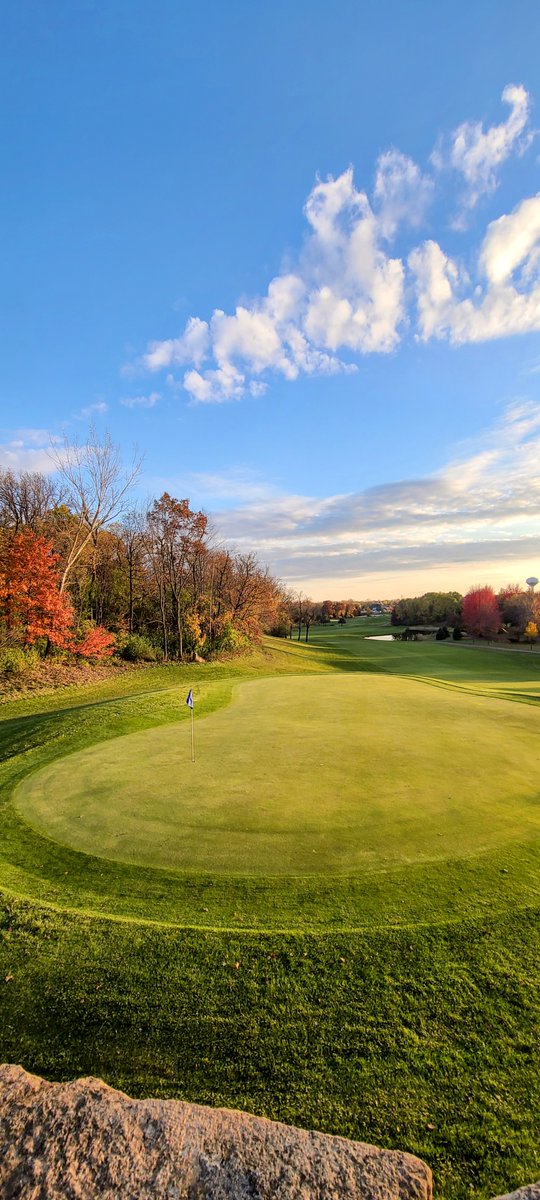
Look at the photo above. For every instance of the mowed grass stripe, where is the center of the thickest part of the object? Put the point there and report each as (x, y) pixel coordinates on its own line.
(308, 776)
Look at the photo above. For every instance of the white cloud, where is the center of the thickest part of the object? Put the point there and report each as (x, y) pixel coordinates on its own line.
(506, 298)
(91, 410)
(357, 303)
(36, 437)
(192, 346)
(511, 242)
(29, 450)
(477, 153)
(18, 458)
(401, 192)
(249, 335)
(224, 383)
(141, 401)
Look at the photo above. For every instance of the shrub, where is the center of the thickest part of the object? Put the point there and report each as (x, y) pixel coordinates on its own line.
(231, 640)
(138, 649)
(93, 642)
(14, 660)
(281, 630)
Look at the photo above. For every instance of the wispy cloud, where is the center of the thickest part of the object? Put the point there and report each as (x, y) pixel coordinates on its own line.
(141, 401)
(477, 153)
(349, 295)
(93, 410)
(483, 505)
(237, 484)
(28, 450)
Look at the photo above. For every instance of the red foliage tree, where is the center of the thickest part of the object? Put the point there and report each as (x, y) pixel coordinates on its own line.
(96, 642)
(31, 605)
(481, 615)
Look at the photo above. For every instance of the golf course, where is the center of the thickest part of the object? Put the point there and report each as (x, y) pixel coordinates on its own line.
(329, 917)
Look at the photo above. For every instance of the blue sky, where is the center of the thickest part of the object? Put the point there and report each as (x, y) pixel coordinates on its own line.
(293, 252)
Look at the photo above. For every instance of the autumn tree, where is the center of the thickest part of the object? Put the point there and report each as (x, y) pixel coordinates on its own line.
(175, 540)
(31, 605)
(95, 642)
(515, 607)
(245, 596)
(481, 616)
(297, 611)
(26, 498)
(310, 610)
(531, 632)
(156, 575)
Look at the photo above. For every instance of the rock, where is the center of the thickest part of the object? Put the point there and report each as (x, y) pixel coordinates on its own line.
(77, 1141)
(530, 1192)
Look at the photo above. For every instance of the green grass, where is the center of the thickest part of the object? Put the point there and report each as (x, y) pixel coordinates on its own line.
(379, 1001)
(317, 776)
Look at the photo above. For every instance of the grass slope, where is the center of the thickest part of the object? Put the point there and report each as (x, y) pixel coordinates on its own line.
(421, 1037)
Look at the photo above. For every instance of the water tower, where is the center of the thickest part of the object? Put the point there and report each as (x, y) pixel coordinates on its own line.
(531, 582)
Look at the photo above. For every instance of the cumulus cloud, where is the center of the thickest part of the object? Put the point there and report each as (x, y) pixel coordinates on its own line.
(347, 295)
(513, 242)
(482, 506)
(223, 383)
(506, 298)
(191, 346)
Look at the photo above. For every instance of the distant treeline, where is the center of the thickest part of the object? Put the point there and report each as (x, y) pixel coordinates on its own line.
(513, 611)
(433, 608)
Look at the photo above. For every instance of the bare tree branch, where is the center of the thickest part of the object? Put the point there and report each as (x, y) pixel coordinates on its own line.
(96, 486)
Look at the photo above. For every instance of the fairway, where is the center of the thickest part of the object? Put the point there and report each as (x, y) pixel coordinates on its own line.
(319, 775)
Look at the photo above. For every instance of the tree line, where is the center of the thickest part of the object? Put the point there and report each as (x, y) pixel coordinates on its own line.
(514, 611)
(84, 571)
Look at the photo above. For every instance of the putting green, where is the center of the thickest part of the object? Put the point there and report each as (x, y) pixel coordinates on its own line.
(316, 775)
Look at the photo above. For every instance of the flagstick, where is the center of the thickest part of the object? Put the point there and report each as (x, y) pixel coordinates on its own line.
(192, 738)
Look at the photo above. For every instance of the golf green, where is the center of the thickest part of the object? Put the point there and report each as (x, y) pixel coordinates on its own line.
(309, 775)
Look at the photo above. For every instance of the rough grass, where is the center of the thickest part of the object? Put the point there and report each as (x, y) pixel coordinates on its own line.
(423, 1036)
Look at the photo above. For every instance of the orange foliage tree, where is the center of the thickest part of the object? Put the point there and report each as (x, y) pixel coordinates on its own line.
(31, 606)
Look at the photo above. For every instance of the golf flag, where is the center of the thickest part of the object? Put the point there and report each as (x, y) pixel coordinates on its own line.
(189, 703)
